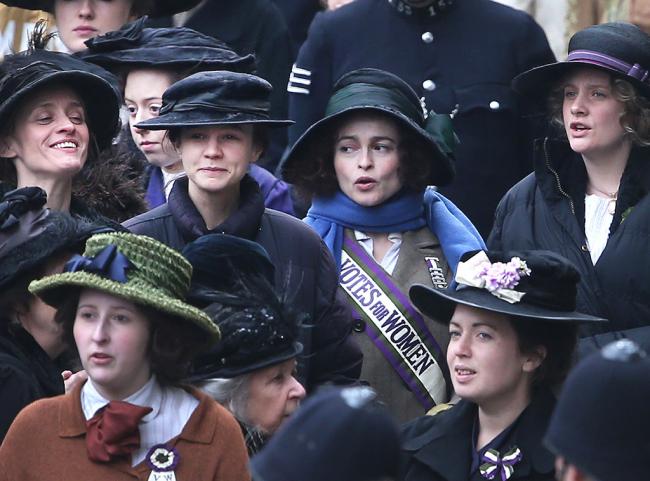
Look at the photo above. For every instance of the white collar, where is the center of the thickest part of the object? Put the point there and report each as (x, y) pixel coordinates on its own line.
(149, 395)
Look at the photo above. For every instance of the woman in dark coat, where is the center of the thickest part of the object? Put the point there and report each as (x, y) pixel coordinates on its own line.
(588, 198)
(512, 324)
(34, 241)
(217, 121)
(365, 167)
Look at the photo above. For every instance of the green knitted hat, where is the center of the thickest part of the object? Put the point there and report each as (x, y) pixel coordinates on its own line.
(134, 267)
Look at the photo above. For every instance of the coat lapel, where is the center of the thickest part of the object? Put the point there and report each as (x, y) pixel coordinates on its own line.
(411, 265)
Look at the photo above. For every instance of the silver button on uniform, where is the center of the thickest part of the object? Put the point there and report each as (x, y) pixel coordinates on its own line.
(429, 85)
(494, 105)
(427, 37)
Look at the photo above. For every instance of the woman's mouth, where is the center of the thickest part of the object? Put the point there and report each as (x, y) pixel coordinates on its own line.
(100, 358)
(68, 145)
(463, 374)
(365, 183)
(578, 128)
(85, 31)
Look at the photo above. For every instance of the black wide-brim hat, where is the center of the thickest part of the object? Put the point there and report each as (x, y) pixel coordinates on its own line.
(215, 98)
(160, 8)
(178, 48)
(379, 91)
(620, 49)
(547, 292)
(26, 72)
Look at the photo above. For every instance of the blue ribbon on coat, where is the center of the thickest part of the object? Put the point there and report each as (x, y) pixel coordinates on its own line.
(108, 263)
(329, 216)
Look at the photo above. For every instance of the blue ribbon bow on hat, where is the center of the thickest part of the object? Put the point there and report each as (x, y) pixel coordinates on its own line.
(108, 263)
(495, 463)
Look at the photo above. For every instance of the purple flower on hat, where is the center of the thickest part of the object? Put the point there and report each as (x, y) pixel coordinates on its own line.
(503, 275)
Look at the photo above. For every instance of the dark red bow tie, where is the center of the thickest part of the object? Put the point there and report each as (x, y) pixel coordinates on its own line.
(113, 431)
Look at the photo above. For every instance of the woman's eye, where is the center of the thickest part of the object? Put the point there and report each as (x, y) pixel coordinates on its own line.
(484, 336)
(44, 119)
(132, 110)
(599, 93)
(76, 119)
(85, 315)
(154, 109)
(569, 94)
(454, 334)
(383, 147)
(345, 149)
(197, 136)
(121, 318)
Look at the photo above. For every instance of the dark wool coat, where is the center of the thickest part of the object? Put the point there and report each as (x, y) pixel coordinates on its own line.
(546, 211)
(26, 374)
(439, 448)
(304, 268)
(460, 61)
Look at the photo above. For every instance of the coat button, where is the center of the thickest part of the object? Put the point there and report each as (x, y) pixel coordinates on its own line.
(359, 325)
(584, 247)
(494, 105)
(427, 37)
(429, 85)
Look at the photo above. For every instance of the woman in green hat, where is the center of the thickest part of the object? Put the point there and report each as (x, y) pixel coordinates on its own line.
(366, 167)
(122, 305)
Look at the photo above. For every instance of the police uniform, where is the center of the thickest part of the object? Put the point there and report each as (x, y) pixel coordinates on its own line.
(460, 56)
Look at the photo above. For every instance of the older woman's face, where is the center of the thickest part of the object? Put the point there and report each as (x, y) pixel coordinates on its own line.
(367, 160)
(486, 364)
(592, 115)
(274, 394)
(112, 337)
(50, 137)
(79, 20)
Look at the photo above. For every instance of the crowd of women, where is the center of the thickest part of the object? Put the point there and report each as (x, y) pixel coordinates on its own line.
(165, 322)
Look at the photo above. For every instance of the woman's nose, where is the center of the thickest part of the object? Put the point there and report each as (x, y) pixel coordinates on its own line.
(86, 9)
(297, 391)
(461, 346)
(365, 159)
(213, 148)
(578, 106)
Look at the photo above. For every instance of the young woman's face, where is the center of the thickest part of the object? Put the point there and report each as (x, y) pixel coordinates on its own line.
(112, 337)
(366, 159)
(79, 20)
(591, 113)
(486, 364)
(273, 395)
(50, 137)
(216, 158)
(143, 98)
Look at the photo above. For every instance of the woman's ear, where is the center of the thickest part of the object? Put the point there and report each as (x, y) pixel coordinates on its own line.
(534, 359)
(7, 150)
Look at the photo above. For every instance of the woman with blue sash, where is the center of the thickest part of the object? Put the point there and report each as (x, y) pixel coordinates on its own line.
(366, 167)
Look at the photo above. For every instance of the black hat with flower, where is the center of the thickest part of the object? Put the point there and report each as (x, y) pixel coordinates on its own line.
(532, 284)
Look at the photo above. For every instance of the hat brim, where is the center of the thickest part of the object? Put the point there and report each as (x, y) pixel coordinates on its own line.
(439, 304)
(54, 290)
(233, 371)
(203, 58)
(441, 175)
(161, 8)
(103, 117)
(538, 81)
(195, 118)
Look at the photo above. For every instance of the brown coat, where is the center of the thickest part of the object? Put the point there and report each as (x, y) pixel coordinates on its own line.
(411, 269)
(47, 442)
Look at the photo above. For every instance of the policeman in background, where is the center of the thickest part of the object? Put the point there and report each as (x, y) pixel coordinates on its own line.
(459, 55)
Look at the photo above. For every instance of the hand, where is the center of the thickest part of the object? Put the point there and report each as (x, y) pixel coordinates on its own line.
(71, 380)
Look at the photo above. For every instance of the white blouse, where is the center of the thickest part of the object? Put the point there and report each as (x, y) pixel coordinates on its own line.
(389, 261)
(597, 223)
(172, 408)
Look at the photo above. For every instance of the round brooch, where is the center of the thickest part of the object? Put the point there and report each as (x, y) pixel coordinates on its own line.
(160, 458)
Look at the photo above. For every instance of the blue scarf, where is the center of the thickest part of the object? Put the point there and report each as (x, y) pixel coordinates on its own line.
(406, 211)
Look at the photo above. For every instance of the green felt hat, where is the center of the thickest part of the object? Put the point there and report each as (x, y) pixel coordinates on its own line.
(134, 267)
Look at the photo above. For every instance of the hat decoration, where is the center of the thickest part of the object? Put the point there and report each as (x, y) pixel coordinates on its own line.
(133, 267)
(498, 278)
(127, 36)
(19, 202)
(108, 263)
(495, 463)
